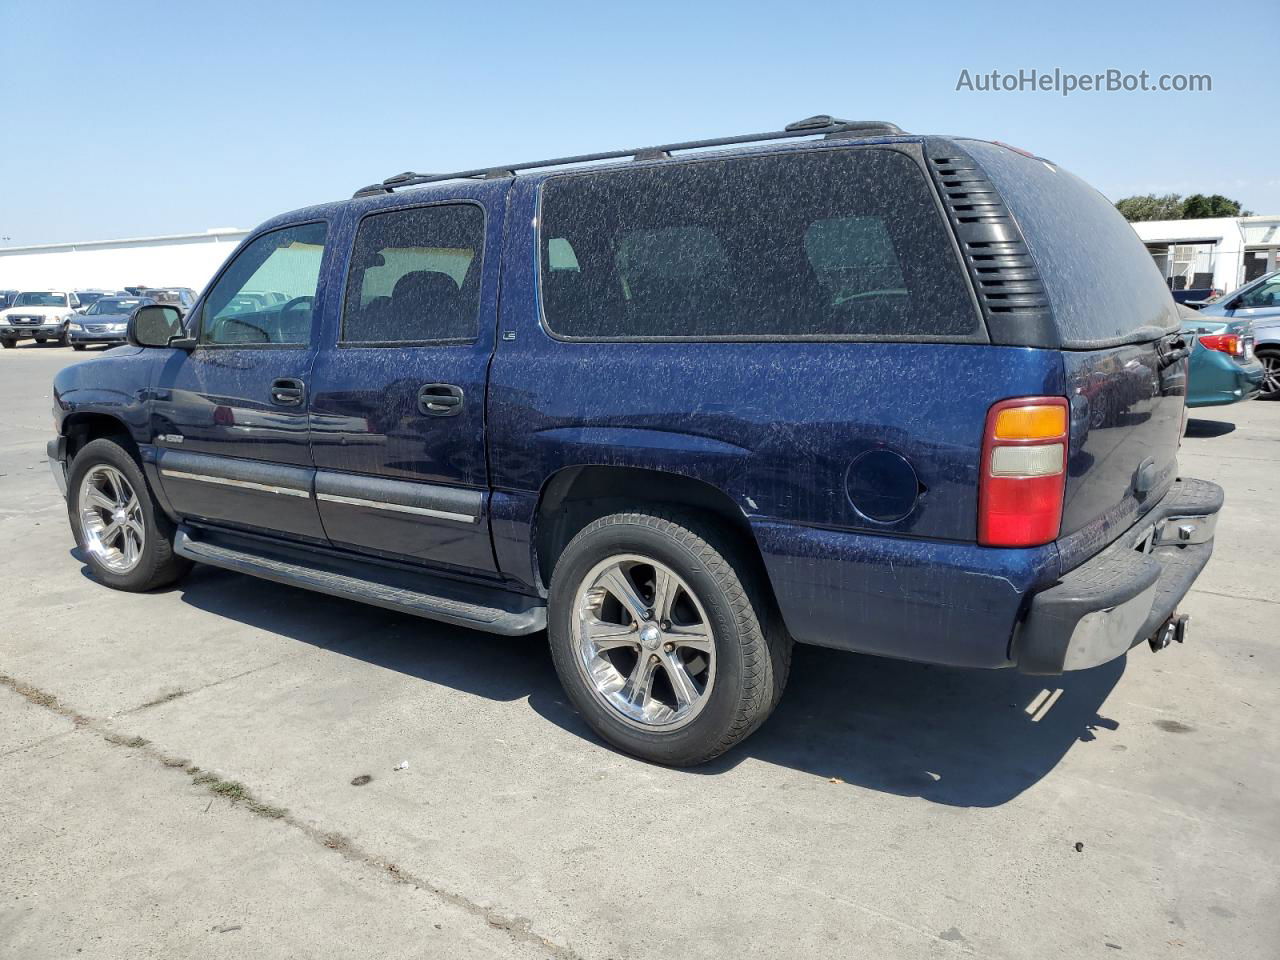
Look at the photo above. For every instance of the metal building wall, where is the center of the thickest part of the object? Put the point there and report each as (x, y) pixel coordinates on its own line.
(187, 260)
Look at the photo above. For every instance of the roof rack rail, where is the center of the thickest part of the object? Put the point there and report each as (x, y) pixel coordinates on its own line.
(822, 123)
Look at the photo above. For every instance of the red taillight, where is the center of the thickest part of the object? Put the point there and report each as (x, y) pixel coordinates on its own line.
(1231, 343)
(1024, 472)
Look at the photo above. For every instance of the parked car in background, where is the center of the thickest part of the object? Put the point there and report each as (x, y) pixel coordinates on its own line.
(88, 297)
(181, 297)
(1223, 368)
(670, 411)
(1259, 302)
(105, 322)
(41, 315)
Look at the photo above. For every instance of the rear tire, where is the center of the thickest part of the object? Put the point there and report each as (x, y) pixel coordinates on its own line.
(126, 538)
(77, 346)
(41, 339)
(1270, 360)
(691, 662)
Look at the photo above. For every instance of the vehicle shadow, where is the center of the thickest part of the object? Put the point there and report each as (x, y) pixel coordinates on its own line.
(974, 738)
(1209, 428)
(971, 738)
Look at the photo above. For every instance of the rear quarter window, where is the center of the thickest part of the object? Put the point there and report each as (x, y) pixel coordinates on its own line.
(1103, 286)
(827, 244)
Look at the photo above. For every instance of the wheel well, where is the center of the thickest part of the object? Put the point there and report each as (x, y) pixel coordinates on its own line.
(80, 428)
(578, 495)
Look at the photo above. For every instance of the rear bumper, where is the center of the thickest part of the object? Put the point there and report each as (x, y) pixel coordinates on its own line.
(1122, 596)
(1220, 379)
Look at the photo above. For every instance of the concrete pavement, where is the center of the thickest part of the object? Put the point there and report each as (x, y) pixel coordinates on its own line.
(887, 810)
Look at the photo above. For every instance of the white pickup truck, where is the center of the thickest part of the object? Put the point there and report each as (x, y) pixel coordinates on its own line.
(42, 314)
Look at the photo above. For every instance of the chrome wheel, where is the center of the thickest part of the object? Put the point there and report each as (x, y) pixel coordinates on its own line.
(643, 642)
(1270, 372)
(111, 517)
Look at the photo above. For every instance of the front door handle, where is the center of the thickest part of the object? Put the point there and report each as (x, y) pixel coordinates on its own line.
(440, 400)
(288, 391)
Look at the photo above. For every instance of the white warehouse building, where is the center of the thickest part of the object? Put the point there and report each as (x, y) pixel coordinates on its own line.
(178, 260)
(1221, 253)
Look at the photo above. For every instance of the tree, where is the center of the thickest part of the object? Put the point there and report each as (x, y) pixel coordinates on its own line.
(1151, 207)
(1198, 206)
(1173, 206)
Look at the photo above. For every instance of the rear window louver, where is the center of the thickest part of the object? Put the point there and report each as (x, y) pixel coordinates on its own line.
(1010, 293)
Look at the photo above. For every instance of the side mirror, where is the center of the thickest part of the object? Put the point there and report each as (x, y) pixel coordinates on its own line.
(154, 326)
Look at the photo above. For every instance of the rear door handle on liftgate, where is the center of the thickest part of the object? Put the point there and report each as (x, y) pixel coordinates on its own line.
(440, 400)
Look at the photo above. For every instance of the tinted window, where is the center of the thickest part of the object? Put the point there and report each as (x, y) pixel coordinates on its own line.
(1102, 284)
(415, 276)
(285, 261)
(827, 244)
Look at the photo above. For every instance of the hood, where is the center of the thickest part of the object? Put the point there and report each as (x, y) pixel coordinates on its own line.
(103, 318)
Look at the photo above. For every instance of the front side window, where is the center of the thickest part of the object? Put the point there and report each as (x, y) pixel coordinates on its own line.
(827, 244)
(267, 295)
(415, 276)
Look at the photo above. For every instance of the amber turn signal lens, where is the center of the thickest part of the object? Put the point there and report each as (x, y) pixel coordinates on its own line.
(1031, 423)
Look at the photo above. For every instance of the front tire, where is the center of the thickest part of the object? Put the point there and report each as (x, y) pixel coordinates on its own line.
(664, 637)
(8, 343)
(1270, 360)
(125, 536)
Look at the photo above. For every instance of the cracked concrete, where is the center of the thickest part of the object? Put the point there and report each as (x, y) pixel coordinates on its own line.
(889, 809)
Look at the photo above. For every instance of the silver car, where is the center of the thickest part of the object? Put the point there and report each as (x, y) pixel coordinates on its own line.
(1259, 301)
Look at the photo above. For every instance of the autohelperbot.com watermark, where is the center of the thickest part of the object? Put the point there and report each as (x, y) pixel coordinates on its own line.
(1065, 82)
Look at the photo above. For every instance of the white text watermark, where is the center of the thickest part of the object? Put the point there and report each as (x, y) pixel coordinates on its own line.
(1065, 83)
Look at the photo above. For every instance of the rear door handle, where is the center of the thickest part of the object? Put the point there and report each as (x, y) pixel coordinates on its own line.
(440, 400)
(288, 391)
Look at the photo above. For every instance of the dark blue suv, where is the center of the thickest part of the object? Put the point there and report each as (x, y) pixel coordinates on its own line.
(678, 407)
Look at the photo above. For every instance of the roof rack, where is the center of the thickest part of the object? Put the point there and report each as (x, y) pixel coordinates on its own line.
(811, 126)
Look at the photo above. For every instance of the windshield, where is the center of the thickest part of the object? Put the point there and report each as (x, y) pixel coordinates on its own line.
(88, 298)
(41, 300)
(113, 305)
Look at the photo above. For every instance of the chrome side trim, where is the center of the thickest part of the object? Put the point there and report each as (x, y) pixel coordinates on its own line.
(398, 508)
(244, 484)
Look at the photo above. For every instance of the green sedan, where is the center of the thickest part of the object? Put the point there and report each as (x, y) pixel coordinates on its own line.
(1223, 368)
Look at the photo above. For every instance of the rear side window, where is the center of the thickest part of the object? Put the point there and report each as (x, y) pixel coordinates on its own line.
(415, 276)
(1103, 286)
(826, 244)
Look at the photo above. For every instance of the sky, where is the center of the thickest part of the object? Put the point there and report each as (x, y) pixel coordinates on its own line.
(138, 118)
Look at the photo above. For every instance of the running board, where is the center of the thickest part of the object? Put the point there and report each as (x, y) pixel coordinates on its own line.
(449, 602)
